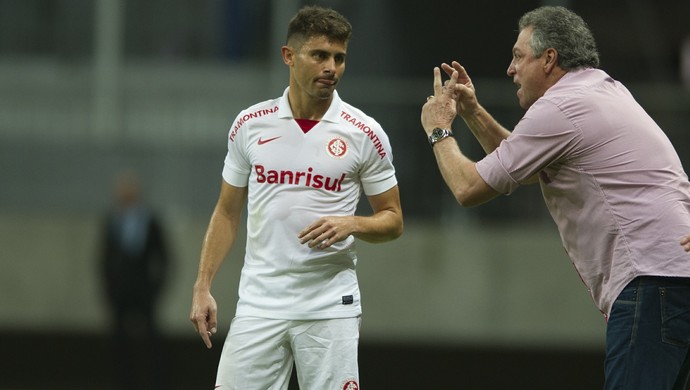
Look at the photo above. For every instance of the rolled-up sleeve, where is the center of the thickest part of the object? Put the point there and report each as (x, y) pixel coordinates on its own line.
(533, 145)
(495, 175)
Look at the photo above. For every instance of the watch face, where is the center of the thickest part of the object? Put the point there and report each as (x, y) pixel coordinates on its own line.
(438, 134)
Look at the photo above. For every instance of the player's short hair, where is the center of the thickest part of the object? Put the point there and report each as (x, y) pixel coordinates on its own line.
(313, 21)
(565, 31)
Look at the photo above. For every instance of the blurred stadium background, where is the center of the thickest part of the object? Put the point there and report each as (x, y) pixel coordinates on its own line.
(483, 298)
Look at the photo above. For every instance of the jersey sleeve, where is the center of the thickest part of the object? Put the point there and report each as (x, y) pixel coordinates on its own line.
(236, 167)
(542, 137)
(378, 173)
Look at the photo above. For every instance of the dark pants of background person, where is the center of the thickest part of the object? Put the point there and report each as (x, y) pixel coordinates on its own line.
(139, 356)
(648, 336)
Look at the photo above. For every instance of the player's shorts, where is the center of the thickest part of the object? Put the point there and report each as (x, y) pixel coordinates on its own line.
(259, 354)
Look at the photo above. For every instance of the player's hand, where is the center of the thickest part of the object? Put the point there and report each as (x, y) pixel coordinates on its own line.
(464, 89)
(326, 231)
(204, 315)
(685, 242)
(440, 108)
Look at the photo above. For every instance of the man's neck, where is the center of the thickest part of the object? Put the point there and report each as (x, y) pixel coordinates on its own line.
(307, 107)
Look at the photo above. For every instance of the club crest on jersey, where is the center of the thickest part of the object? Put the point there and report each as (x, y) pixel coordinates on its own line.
(337, 147)
(351, 385)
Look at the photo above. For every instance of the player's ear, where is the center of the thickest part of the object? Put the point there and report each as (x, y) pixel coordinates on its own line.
(288, 54)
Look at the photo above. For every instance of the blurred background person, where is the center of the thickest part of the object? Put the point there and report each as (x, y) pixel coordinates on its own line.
(134, 266)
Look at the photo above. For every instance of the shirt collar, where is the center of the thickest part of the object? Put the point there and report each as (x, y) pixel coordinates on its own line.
(331, 115)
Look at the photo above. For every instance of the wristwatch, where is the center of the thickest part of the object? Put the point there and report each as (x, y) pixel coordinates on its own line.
(438, 134)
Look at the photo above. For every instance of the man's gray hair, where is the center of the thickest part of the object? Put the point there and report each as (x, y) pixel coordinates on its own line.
(565, 31)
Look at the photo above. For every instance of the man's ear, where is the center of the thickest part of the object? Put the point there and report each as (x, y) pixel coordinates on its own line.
(550, 58)
(287, 54)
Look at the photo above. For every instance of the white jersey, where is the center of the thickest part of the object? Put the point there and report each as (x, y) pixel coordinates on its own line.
(295, 178)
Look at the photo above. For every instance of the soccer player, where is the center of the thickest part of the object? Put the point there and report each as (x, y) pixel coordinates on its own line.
(609, 175)
(299, 163)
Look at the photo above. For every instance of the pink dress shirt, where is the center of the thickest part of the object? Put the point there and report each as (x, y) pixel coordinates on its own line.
(610, 177)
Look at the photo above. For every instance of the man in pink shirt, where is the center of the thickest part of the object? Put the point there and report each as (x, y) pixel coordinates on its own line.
(611, 180)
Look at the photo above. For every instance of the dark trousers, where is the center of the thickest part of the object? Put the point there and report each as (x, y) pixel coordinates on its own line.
(648, 336)
(137, 347)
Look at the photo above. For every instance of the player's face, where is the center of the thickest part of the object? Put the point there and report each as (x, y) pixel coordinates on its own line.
(317, 66)
(527, 71)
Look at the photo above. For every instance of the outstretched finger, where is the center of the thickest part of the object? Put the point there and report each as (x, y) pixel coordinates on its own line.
(438, 85)
(206, 337)
(447, 68)
(458, 67)
(208, 329)
(202, 329)
(450, 89)
(463, 77)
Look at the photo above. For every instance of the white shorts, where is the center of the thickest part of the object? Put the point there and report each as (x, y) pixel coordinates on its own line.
(259, 353)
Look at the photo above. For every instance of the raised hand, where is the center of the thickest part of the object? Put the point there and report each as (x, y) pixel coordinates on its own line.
(440, 108)
(464, 89)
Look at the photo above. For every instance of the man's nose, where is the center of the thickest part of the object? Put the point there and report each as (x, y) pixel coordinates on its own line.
(511, 69)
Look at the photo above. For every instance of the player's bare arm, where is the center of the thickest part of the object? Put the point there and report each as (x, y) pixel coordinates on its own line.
(385, 223)
(219, 239)
(685, 242)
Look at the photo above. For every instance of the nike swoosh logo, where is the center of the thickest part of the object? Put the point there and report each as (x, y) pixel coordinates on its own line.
(263, 141)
